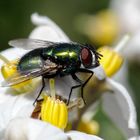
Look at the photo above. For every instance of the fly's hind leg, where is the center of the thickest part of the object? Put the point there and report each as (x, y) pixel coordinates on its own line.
(43, 85)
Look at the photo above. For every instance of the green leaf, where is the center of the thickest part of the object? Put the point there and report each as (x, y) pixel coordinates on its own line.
(108, 130)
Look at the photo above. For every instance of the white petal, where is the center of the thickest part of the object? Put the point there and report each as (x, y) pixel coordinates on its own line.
(15, 106)
(91, 111)
(135, 138)
(75, 135)
(128, 12)
(47, 30)
(132, 51)
(11, 105)
(12, 53)
(31, 129)
(99, 72)
(121, 109)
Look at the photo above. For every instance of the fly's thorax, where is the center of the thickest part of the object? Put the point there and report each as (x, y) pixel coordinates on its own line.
(65, 56)
(63, 53)
(47, 52)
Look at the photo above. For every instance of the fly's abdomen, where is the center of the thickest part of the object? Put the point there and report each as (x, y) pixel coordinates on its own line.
(31, 61)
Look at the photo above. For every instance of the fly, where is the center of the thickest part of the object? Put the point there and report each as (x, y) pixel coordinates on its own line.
(50, 59)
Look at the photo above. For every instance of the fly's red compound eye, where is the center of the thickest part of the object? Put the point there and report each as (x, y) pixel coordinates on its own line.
(86, 57)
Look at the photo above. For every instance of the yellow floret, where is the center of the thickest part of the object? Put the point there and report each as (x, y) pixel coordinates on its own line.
(90, 127)
(111, 60)
(103, 28)
(9, 69)
(55, 112)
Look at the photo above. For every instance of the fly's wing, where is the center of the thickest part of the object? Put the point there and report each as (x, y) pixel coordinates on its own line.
(18, 78)
(15, 79)
(31, 43)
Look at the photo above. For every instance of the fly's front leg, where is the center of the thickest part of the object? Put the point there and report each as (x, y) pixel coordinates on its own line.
(85, 82)
(81, 83)
(73, 87)
(76, 86)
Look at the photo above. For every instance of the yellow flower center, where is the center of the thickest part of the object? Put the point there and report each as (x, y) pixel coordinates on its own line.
(53, 110)
(9, 68)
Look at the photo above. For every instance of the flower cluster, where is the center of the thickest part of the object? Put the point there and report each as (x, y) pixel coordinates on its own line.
(53, 113)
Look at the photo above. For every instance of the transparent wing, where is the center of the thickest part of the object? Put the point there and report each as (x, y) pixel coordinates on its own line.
(18, 78)
(15, 79)
(31, 43)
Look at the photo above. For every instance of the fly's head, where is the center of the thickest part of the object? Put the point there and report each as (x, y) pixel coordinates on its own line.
(89, 56)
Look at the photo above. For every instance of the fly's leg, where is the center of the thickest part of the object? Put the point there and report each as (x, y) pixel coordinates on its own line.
(43, 85)
(73, 87)
(82, 83)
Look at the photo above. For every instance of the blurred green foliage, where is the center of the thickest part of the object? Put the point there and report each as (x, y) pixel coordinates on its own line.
(108, 130)
(15, 16)
(134, 80)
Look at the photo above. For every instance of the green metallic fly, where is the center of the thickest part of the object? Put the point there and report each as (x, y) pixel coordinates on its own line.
(51, 59)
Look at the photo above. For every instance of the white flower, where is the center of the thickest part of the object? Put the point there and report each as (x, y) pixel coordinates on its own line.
(128, 12)
(12, 107)
(135, 138)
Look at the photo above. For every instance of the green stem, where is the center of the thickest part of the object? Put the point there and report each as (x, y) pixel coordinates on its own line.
(52, 87)
(121, 45)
